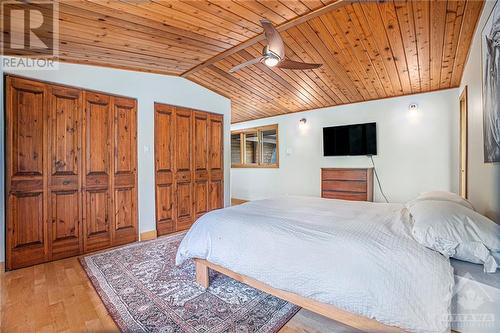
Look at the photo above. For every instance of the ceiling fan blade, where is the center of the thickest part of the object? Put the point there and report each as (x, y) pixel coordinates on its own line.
(290, 64)
(245, 64)
(274, 41)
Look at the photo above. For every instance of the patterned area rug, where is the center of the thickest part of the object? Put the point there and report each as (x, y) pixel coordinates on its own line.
(144, 291)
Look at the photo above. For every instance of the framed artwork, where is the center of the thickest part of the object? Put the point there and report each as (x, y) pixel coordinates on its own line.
(490, 45)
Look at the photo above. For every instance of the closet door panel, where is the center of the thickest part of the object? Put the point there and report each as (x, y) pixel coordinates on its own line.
(64, 136)
(64, 109)
(200, 197)
(97, 154)
(27, 129)
(97, 219)
(26, 175)
(215, 142)
(200, 141)
(200, 144)
(216, 162)
(124, 170)
(216, 197)
(27, 231)
(97, 110)
(164, 209)
(184, 206)
(183, 168)
(65, 234)
(124, 209)
(164, 168)
(183, 139)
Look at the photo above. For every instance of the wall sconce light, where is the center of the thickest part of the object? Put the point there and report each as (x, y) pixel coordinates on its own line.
(303, 125)
(413, 107)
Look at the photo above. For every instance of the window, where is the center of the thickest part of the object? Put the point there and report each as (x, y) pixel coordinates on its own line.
(255, 147)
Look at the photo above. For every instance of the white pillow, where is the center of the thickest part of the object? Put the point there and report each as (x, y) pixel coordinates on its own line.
(456, 231)
(442, 196)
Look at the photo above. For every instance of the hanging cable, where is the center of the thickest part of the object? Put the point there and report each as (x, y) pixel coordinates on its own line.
(378, 180)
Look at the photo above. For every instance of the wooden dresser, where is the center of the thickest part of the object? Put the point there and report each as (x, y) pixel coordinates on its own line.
(347, 184)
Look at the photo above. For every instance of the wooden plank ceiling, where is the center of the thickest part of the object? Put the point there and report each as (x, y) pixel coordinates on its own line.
(370, 50)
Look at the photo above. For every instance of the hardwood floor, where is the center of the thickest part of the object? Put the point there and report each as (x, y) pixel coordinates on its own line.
(58, 297)
(52, 297)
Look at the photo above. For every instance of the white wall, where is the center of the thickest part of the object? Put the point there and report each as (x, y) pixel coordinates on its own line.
(416, 151)
(147, 88)
(484, 178)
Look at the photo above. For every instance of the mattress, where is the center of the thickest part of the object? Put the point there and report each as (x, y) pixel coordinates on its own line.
(357, 256)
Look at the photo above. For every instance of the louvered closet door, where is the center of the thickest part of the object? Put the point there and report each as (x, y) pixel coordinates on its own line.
(183, 202)
(26, 177)
(164, 168)
(216, 162)
(200, 143)
(64, 139)
(97, 155)
(124, 184)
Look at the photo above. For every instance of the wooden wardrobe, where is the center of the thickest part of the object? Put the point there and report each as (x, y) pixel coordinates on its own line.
(189, 173)
(71, 171)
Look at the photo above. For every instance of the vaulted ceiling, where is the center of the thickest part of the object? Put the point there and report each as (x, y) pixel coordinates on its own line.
(370, 50)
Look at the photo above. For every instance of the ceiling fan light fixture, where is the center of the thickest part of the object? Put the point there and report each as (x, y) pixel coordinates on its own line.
(271, 61)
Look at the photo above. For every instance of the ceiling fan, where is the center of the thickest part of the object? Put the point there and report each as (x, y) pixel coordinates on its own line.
(273, 54)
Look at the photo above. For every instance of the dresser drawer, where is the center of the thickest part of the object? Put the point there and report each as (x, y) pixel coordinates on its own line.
(344, 195)
(344, 174)
(347, 184)
(344, 185)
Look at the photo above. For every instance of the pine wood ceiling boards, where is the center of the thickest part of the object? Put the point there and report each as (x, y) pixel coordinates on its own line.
(370, 50)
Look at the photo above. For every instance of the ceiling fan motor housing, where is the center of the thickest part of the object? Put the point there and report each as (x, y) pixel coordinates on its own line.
(270, 58)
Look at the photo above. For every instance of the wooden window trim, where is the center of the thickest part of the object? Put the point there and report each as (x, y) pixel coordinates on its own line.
(257, 130)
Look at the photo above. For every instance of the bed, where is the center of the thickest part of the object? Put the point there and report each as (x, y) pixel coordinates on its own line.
(338, 258)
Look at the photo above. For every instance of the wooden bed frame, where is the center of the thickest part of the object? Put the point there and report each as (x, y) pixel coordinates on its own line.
(327, 310)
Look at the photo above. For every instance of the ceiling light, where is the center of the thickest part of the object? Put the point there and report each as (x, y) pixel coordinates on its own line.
(271, 61)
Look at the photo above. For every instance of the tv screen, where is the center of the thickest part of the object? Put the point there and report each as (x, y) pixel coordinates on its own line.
(350, 140)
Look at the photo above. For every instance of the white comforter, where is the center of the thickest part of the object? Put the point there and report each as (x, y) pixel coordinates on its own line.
(357, 256)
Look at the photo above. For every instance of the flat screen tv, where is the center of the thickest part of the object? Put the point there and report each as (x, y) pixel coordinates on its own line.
(350, 140)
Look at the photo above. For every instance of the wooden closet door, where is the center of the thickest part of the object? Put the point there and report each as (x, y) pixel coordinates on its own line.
(64, 139)
(216, 162)
(183, 202)
(26, 177)
(124, 184)
(164, 168)
(97, 167)
(200, 159)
